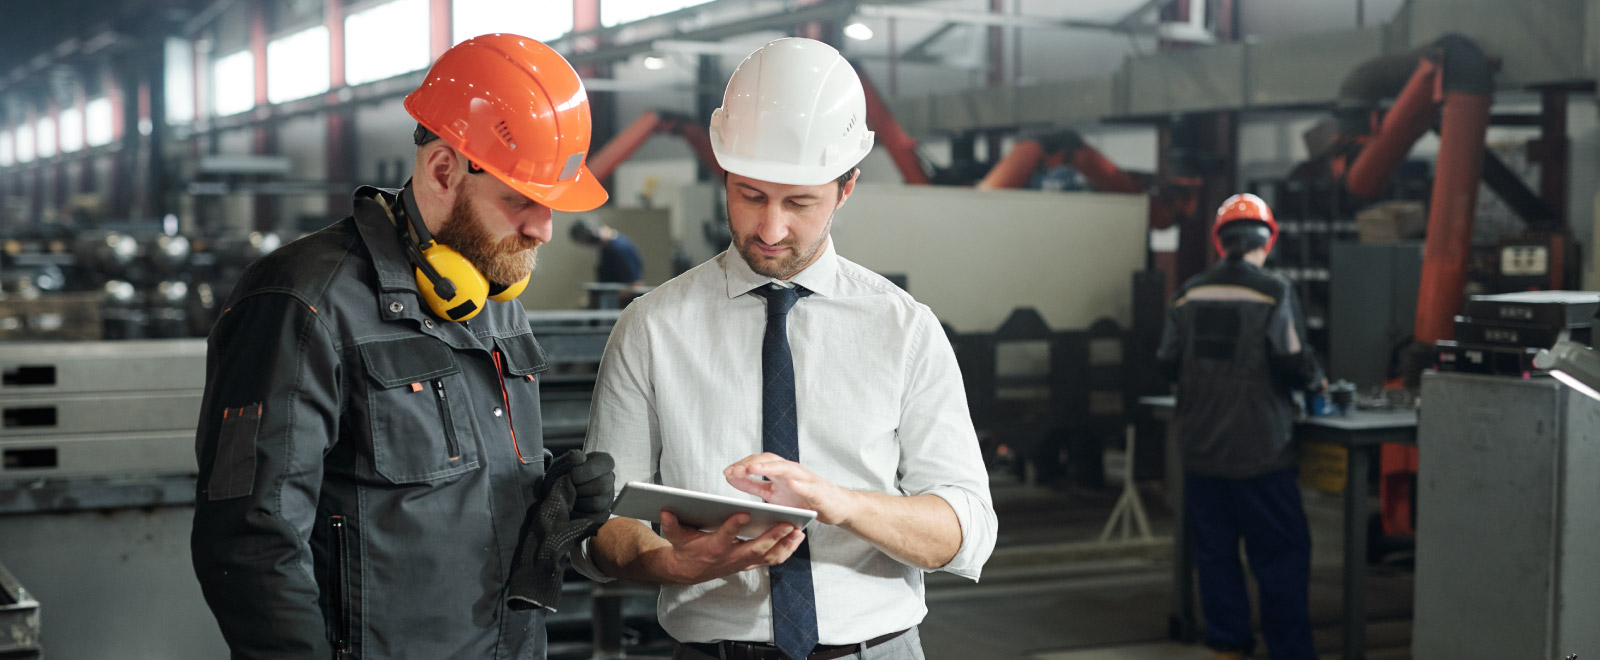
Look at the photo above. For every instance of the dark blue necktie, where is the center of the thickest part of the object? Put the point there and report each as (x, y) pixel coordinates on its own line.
(794, 601)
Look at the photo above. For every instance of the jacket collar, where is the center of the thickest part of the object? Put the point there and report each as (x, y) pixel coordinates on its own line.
(376, 223)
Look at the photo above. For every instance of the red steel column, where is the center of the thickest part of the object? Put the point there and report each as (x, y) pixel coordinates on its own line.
(1450, 213)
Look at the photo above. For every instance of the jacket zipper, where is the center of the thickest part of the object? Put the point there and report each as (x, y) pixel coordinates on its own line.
(450, 442)
(341, 613)
(499, 368)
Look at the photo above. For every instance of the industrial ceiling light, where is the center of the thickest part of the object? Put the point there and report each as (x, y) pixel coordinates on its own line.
(1574, 364)
(654, 63)
(858, 31)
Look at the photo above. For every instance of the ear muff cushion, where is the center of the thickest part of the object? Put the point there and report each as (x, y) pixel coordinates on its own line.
(472, 290)
(505, 293)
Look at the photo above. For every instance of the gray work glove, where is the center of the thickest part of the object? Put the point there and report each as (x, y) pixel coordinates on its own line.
(574, 501)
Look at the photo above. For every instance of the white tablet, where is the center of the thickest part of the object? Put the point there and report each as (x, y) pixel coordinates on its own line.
(703, 510)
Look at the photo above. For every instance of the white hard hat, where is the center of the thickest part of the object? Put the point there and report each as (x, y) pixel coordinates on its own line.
(794, 114)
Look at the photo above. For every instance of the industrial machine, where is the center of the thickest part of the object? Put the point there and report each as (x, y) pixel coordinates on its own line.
(1516, 490)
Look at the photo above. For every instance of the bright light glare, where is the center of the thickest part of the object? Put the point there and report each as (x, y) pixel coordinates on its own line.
(45, 137)
(616, 12)
(297, 65)
(543, 20)
(654, 63)
(386, 41)
(233, 83)
(1576, 384)
(98, 122)
(858, 31)
(25, 143)
(71, 130)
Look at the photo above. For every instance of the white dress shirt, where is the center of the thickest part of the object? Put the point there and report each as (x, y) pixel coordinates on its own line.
(880, 406)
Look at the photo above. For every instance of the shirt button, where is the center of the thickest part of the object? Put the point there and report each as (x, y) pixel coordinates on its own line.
(396, 307)
(427, 323)
(498, 412)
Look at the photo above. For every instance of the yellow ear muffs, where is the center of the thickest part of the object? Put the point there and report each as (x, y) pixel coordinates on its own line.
(466, 287)
(508, 292)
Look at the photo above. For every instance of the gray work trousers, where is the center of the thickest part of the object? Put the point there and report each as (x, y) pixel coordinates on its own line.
(904, 647)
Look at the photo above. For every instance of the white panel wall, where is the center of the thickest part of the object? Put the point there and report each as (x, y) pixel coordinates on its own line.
(973, 256)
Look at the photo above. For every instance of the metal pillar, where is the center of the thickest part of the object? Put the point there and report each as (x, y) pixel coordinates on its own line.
(1551, 151)
(264, 137)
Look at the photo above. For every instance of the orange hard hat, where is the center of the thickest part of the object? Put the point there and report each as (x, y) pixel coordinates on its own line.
(1239, 208)
(516, 109)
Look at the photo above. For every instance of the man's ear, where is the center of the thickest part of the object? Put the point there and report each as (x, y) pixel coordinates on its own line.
(438, 170)
(849, 188)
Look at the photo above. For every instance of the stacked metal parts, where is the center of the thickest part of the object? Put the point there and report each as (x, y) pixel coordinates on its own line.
(1500, 334)
(134, 282)
(98, 470)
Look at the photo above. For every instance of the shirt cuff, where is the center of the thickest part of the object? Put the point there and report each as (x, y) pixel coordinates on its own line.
(978, 531)
(585, 564)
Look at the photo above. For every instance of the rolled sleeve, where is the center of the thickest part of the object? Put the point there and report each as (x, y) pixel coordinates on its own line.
(939, 452)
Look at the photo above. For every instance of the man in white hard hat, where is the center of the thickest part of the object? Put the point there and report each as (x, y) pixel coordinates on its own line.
(783, 371)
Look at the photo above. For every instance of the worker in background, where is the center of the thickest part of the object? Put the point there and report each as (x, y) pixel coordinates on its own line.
(1235, 342)
(619, 258)
(792, 375)
(370, 441)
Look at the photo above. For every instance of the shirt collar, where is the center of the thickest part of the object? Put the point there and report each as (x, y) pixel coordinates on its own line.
(821, 277)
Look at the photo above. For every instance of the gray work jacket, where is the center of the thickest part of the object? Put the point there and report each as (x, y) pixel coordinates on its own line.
(365, 466)
(1234, 339)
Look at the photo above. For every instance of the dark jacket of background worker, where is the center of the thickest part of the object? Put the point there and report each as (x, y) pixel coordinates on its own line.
(1235, 341)
(619, 258)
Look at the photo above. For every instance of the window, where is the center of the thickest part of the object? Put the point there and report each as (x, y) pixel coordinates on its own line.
(233, 84)
(297, 65)
(543, 20)
(44, 137)
(25, 143)
(179, 85)
(98, 122)
(617, 12)
(385, 41)
(8, 150)
(71, 129)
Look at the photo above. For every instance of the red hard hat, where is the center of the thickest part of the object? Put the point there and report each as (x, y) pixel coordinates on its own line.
(515, 108)
(1243, 207)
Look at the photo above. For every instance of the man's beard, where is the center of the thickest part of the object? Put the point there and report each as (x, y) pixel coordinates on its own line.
(779, 267)
(502, 261)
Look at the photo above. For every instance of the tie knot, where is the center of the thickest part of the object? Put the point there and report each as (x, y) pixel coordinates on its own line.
(780, 298)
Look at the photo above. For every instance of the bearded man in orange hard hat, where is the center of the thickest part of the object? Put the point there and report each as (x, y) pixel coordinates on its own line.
(1235, 342)
(370, 440)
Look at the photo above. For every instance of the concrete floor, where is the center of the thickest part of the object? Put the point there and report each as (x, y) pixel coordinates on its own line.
(1050, 594)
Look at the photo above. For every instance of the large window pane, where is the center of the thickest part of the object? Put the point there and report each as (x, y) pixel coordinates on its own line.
(98, 120)
(25, 143)
(179, 85)
(386, 41)
(233, 84)
(617, 12)
(45, 136)
(543, 20)
(297, 65)
(71, 130)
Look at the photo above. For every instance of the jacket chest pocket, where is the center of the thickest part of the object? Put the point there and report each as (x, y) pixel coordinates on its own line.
(521, 359)
(416, 402)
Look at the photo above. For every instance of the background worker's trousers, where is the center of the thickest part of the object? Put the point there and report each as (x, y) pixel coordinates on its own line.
(1266, 513)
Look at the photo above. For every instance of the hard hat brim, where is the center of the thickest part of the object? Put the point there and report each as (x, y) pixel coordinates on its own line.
(790, 174)
(582, 193)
